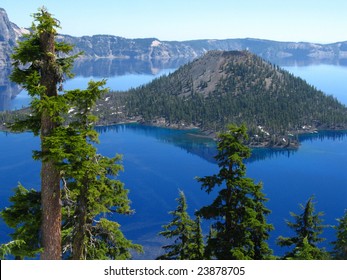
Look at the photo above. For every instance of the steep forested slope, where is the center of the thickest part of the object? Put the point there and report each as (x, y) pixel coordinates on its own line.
(230, 87)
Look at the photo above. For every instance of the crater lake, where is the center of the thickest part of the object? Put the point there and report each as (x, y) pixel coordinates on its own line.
(158, 162)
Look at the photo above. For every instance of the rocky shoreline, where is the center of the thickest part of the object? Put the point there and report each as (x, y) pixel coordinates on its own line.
(289, 141)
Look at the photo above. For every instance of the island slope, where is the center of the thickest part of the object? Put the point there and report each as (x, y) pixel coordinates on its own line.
(225, 87)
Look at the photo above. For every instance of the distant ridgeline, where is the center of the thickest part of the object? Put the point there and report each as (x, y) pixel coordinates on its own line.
(153, 49)
(230, 87)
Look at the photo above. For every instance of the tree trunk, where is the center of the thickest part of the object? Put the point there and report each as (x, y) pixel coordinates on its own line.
(78, 248)
(229, 204)
(50, 175)
(51, 212)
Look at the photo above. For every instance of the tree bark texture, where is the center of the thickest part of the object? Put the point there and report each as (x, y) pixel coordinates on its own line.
(78, 248)
(50, 175)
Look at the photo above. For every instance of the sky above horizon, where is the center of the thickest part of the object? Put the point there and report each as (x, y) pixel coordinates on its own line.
(317, 21)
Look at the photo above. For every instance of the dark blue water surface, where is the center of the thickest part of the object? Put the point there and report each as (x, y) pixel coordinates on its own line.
(158, 162)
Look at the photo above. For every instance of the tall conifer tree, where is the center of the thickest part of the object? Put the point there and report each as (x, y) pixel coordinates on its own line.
(240, 227)
(68, 155)
(40, 67)
(90, 184)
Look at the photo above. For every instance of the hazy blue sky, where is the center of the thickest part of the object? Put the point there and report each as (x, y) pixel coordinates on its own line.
(287, 20)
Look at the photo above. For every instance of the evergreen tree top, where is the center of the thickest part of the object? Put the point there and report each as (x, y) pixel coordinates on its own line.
(29, 56)
(46, 22)
(307, 227)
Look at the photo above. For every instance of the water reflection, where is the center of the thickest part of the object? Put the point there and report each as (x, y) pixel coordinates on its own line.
(8, 90)
(338, 135)
(189, 140)
(306, 61)
(104, 67)
(195, 143)
(93, 68)
(259, 154)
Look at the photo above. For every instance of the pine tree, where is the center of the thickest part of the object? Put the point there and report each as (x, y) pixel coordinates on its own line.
(308, 228)
(197, 247)
(340, 244)
(238, 211)
(306, 251)
(39, 67)
(7, 248)
(68, 155)
(181, 230)
(24, 217)
(90, 189)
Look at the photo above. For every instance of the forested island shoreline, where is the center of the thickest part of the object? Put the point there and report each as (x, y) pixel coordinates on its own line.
(213, 135)
(218, 89)
(9, 116)
(201, 133)
(229, 87)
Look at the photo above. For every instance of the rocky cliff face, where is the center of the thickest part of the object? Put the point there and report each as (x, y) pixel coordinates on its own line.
(7, 39)
(107, 46)
(7, 42)
(9, 34)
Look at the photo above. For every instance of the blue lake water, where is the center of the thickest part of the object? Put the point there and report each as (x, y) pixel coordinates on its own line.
(158, 162)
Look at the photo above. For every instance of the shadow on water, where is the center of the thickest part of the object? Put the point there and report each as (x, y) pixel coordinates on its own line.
(189, 140)
(259, 154)
(193, 142)
(324, 135)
